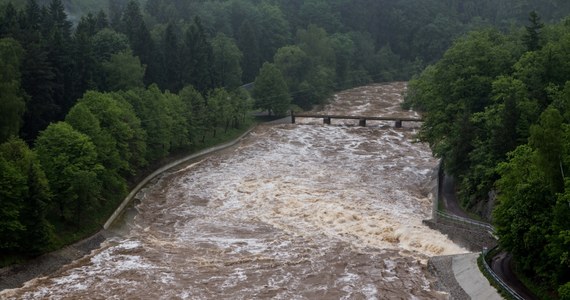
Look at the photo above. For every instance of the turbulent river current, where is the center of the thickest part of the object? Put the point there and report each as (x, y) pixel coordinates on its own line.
(294, 211)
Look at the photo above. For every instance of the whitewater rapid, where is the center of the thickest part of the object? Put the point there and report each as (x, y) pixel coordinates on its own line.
(294, 211)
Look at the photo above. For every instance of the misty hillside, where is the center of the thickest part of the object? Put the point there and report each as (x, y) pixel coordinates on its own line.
(74, 8)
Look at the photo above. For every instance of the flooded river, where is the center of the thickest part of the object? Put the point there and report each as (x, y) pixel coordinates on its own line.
(303, 211)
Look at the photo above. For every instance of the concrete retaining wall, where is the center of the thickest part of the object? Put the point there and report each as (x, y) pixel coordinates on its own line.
(467, 233)
(165, 168)
(16, 276)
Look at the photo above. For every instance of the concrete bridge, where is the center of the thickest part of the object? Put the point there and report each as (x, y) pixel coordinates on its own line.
(361, 119)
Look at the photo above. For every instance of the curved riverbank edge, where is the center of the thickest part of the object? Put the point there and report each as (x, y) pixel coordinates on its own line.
(167, 167)
(17, 275)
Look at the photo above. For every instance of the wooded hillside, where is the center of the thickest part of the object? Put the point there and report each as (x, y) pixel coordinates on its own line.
(92, 92)
(497, 110)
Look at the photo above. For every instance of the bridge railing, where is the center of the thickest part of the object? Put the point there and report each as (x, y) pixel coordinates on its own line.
(352, 117)
(362, 119)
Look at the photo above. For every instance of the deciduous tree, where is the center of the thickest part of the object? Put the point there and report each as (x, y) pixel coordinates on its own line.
(124, 71)
(69, 159)
(227, 62)
(270, 91)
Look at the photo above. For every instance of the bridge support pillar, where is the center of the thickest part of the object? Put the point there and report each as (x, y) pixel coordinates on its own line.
(398, 124)
(327, 120)
(362, 122)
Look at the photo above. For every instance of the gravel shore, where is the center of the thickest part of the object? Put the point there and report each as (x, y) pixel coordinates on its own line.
(441, 267)
(15, 276)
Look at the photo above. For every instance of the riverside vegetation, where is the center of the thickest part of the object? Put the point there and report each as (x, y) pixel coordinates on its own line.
(89, 100)
(497, 111)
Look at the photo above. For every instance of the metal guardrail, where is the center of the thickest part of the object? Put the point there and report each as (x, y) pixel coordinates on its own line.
(487, 226)
(497, 279)
(163, 169)
(484, 225)
(484, 253)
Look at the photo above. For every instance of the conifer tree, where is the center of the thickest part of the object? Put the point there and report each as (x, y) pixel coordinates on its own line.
(171, 80)
(12, 99)
(197, 57)
(533, 32)
(249, 46)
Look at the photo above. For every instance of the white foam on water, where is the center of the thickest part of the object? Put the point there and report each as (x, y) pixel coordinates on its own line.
(268, 218)
(237, 276)
(370, 291)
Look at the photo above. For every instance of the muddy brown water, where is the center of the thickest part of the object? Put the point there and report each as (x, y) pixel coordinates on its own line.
(301, 211)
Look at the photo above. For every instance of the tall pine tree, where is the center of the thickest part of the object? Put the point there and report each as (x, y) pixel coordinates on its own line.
(171, 80)
(197, 56)
(249, 46)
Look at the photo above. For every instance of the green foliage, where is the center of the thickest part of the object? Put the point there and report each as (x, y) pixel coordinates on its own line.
(35, 198)
(344, 49)
(197, 56)
(242, 104)
(319, 13)
(12, 189)
(521, 223)
(108, 42)
(497, 115)
(349, 43)
(12, 103)
(69, 159)
(196, 115)
(532, 37)
(124, 71)
(460, 85)
(545, 137)
(293, 63)
(227, 62)
(150, 106)
(484, 99)
(179, 115)
(270, 91)
(248, 43)
(172, 79)
(83, 120)
(274, 31)
(218, 109)
(564, 291)
(120, 127)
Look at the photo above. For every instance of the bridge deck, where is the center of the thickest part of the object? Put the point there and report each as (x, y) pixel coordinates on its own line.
(362, 119)
(350, 117)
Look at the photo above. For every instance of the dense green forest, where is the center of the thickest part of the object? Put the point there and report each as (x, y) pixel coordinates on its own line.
(497, 109)
(94, 92)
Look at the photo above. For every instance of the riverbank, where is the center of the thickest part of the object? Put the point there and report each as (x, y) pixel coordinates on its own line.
(271, 216)
(15, 276)
(460, 276)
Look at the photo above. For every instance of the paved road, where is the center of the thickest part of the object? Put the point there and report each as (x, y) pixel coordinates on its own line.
(502, 262)
(471, 279)
(450, 198)
(501, 265)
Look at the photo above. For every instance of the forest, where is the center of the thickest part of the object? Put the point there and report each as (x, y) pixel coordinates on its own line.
(93, 93)
(497, 109)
